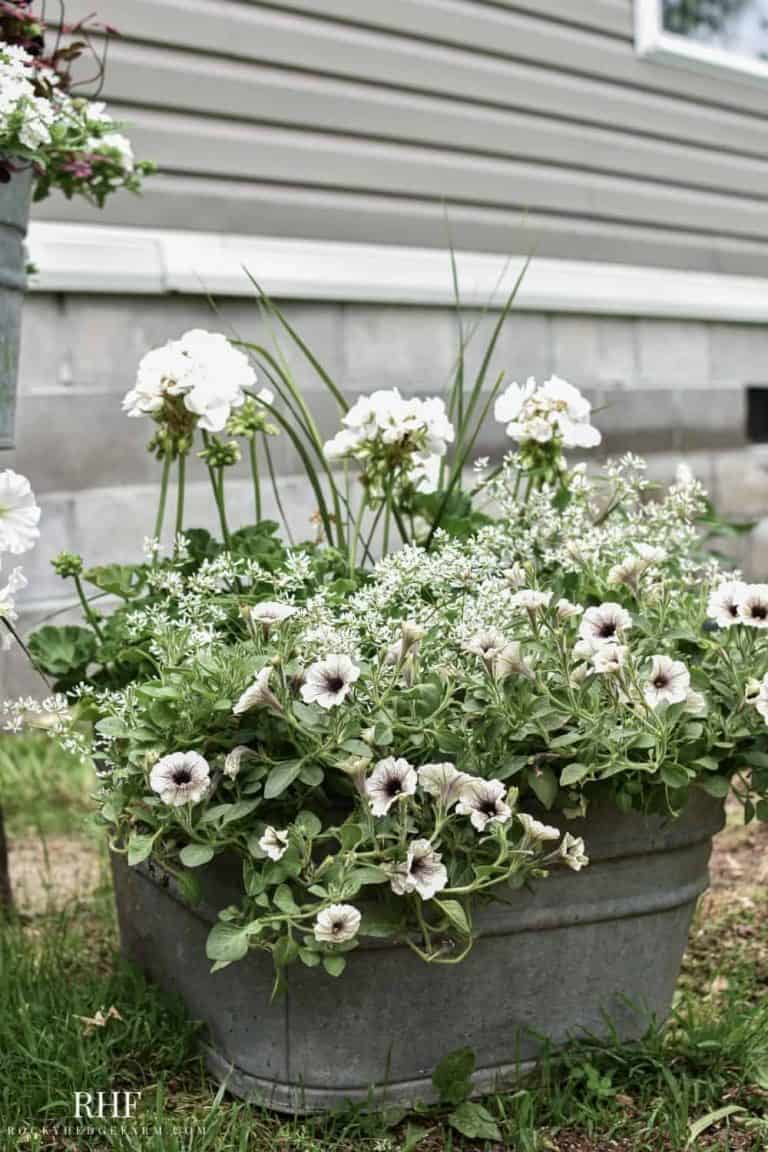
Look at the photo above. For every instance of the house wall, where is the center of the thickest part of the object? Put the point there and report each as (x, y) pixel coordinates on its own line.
(521, 122)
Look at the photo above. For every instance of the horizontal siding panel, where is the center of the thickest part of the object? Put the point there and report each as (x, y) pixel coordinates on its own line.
(246, 152)
(613, 17)
(176, 80)
(256, 32)
(448, 73)
(285, 210)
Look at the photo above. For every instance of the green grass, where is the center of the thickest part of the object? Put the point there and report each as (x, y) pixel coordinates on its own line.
(597, 1097)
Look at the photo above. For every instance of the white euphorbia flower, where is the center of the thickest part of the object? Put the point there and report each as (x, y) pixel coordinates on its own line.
(180, 778)
(202, 367)
(572, 852)
(274, 842)
(483, 801)
(605, 624)
(19, 513)
(753, 606)
(443, 781)
(392, 778)
(328, 682)
(668, 681)
(724, 601)
(535, 830)
(421, 872)
(259, 695)
(337, 924)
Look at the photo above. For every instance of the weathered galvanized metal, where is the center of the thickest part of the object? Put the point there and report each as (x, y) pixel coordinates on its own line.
(14, 211)
(580, 954)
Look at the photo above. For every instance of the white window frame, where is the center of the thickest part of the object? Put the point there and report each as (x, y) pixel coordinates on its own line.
(654, 43)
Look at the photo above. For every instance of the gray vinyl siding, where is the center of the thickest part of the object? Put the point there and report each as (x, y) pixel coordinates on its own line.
(525, 123)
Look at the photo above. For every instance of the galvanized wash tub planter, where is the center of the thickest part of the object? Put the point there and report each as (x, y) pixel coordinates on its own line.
(583, 953)
(14, 212)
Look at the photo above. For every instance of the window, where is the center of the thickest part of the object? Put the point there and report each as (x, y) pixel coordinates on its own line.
(706, 34)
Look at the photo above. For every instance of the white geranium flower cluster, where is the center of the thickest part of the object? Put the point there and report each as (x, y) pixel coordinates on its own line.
(203, 369)
(385, 431)
(554, 410)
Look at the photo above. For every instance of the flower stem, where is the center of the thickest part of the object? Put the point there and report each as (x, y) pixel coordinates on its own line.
(180, 494)
(253, 454)
(163, 497)
(88, 612)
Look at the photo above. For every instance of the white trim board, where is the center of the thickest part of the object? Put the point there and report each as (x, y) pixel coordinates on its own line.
(653, 42)
(101, 259)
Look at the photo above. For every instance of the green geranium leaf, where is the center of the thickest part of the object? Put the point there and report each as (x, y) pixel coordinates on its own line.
(122, 580)
(63, 652)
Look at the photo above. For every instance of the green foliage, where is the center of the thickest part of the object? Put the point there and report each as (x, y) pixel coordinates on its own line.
(63, 653)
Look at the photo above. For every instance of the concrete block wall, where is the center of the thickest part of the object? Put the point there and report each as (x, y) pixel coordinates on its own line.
(671, 390)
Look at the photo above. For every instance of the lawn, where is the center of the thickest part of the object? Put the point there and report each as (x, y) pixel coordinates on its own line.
(73, 1017)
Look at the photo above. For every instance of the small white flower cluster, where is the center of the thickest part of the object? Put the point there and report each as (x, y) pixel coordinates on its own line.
(554, 410)
(30, 123)
(203, 368)
(387, 430)
(24, 116)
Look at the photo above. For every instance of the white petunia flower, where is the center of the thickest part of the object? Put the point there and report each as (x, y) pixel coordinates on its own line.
(760, 700)
(724, 601)
(337, 924)
(274, 842)
(392, 778)
(442, 781)
(483, 801)
(509, 661)
(259, 695)
(328, 682)
(753, 606)
(695, 703)
(421, 872)
(16, 581)
(19, 513)
(609, 658)
(535, 831)
(515, 576)
(604, 624)
(486, 644)
(269, 613)
(566, 610)
(668, 681)
(531, 600)
(234, 759)
(572, 852)
(180, 778)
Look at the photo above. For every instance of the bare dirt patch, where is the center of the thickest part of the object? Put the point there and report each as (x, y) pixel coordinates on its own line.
(48, 874)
